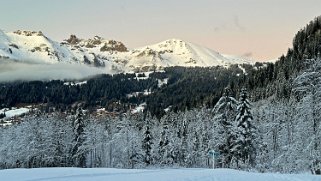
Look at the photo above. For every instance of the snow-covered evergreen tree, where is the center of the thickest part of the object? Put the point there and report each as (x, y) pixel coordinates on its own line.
(243, 145)
(306, 89)
(183, 154)
(224, 114)
(196, 156)
(78, 155)
(147, 144)
(163, 144)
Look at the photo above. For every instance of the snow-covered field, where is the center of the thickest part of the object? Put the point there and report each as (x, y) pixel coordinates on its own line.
(108, 174)
(14, 112)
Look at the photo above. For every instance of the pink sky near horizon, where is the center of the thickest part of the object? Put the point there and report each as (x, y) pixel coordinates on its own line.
(260, 29)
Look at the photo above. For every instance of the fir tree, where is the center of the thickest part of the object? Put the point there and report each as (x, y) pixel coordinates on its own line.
(78, 128)
(196, 149)
(2, 115)
(224, 116)
(163, 145)
(243, 148)
(184, 145)
(147, 145)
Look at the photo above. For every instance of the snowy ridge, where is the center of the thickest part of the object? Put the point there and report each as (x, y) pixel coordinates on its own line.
(176, 52)
(36, 47)
(26, 45)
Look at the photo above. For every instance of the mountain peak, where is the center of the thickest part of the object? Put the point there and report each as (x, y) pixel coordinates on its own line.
(101, 43)
(176, 52)
(174, 40)
(28, 33)
(73, 40)
(169, 46)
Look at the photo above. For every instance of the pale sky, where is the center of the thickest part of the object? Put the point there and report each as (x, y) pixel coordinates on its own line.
(263, 29)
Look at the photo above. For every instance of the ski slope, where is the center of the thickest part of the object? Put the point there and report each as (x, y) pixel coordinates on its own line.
(104, 174)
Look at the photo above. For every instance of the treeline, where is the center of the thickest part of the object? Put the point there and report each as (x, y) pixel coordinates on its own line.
(102, 90)
(129, 141)
(185, 88)
(270, 137)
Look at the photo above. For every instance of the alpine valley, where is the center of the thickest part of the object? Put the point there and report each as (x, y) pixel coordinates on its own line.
(169, 105)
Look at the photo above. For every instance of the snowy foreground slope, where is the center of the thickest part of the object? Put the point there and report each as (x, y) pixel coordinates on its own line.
(103, 174)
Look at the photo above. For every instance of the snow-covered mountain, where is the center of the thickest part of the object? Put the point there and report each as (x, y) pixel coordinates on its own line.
(36, 47)
(176, 52)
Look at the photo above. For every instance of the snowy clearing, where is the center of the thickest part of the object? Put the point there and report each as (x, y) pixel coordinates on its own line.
(103, 174)
(14, 112)
(162, 82)
(139, 108)
(75, 83)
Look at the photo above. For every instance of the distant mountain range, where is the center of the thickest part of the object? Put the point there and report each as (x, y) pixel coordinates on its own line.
(32, 46)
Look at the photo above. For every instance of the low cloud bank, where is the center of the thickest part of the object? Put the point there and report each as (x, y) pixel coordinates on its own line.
(27, 71)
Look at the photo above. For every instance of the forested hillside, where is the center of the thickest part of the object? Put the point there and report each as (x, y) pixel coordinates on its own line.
(179, 88)
(276, 79)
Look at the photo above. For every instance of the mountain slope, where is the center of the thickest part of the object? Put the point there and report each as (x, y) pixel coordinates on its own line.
(36, 47)
(27, 45)
(176, 52)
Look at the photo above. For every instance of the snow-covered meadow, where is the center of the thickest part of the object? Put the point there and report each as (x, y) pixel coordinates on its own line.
(14, 112)
(104, 174)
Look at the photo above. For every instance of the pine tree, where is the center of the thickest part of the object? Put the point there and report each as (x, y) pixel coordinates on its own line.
(243, 147)
(78, 156)
(163, 144)
(2, 115)
(183, 149)
(196, 149)
(147, 145)
(224, 116)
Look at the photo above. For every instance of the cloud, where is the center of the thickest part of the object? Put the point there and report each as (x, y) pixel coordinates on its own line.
(216, 29)
(247, 54)
(238, 24)
(235, 24)
(26, 71)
